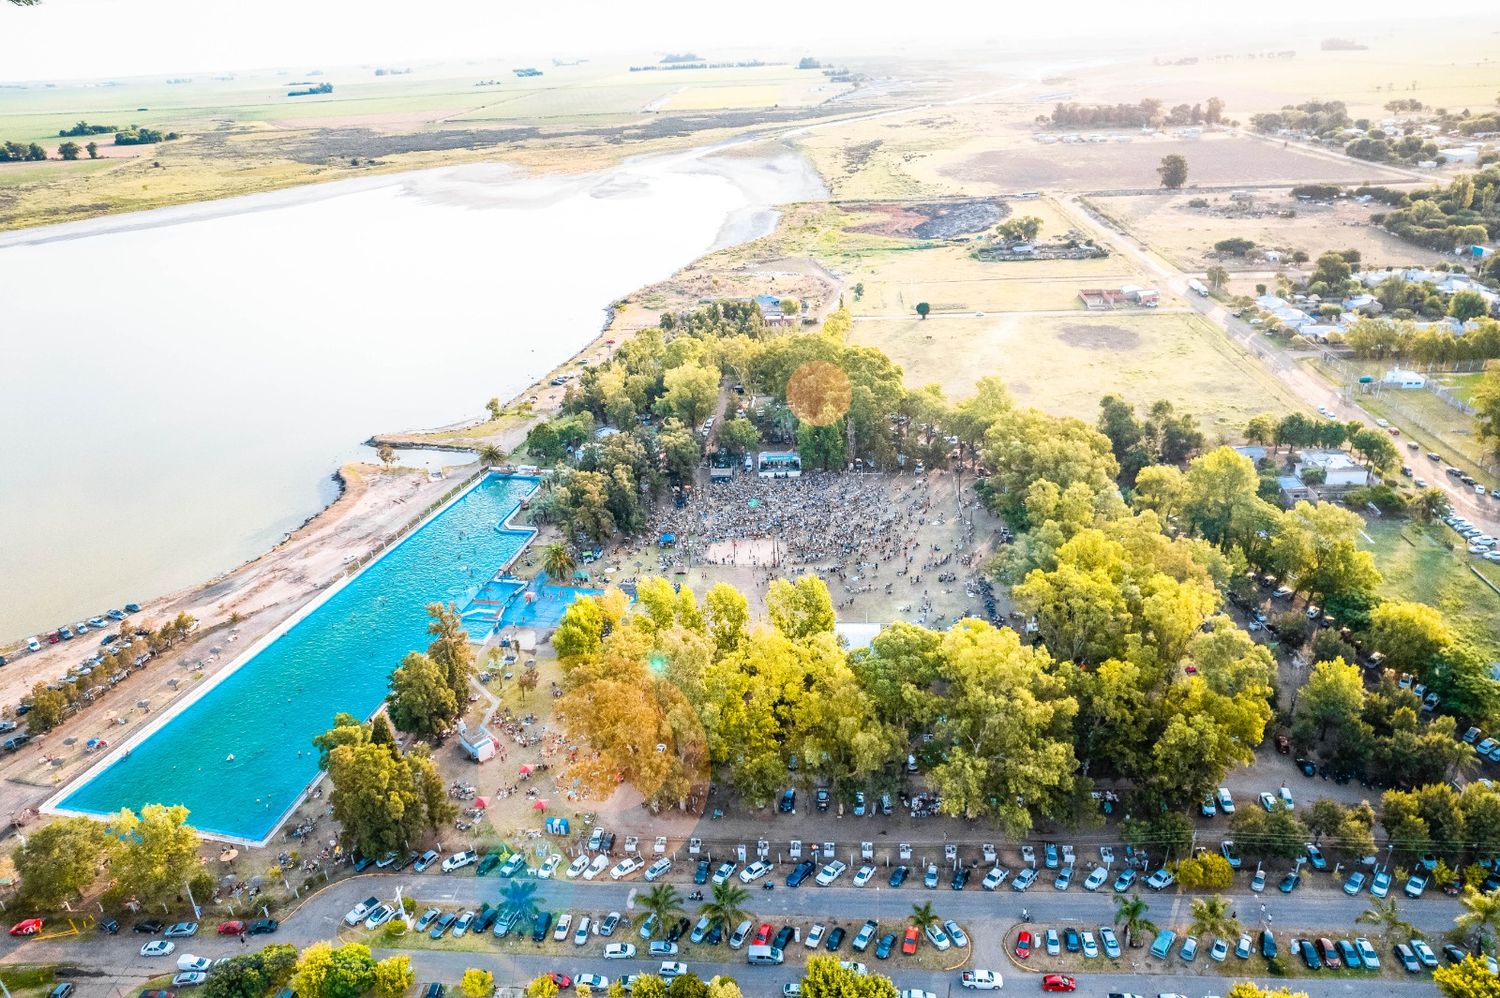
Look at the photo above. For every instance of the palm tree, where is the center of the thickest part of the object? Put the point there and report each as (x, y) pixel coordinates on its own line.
(663, 901)
(923, 917)
(558, 562)
(520, 895)
(1130, 917)
(1481, 915)
(489, 455)
(727, 906)
(1429, 505)
(1383, 913)
(1211, 916)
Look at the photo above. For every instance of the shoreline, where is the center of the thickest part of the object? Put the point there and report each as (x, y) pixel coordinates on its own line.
(762, 181)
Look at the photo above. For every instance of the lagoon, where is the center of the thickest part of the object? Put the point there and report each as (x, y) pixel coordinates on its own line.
(182, 383)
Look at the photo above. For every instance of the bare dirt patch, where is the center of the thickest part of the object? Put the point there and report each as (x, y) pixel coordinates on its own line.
(1120, 165)
(1099, 337)
(937, 220)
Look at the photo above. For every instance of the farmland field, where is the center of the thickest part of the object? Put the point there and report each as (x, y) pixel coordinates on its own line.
(1212, 159)
(1064, 364)
(1417, 564)
(1186, 235)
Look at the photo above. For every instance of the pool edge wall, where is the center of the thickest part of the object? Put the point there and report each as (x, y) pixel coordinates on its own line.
(54, 804)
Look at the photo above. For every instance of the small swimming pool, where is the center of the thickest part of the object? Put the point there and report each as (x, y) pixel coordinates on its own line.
(337, 657)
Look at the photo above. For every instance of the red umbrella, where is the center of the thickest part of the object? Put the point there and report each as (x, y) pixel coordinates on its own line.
(525, 770)
(539, 805)
(481, 802)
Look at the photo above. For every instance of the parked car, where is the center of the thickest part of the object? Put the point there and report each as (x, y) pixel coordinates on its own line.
(459, 860)
(981, 980)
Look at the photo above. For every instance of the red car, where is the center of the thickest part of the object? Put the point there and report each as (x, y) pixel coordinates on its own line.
(1025, 942)
(28, 927)
(231, 928)
(561, 980)
(909, 943)
(1058, 982)
(763, 934)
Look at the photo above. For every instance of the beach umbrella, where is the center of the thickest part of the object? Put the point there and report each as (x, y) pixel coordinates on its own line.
(481, 802)
(525, 770)
(539, 805)
(229, 855)
(752, 503)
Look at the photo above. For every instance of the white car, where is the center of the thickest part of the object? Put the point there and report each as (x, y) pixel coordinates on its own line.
(994, 878)
(916, 993)
(189, 979)
(854, 965)
(754, 872)
(577, 867)
(194, 963)
(1096, 879)
(724, 872)
(863, 874)
(658, 868)
(158, 947)
(1226, 801)
(830, 873)
(360, 911)
(581, 934)
(382, 914)
(459, 860)
(670, 969)
(596, 867)
(1286, 798)
(549, 866)
(619, 951)
(595, 982)
(814, 935)
(938, 937)
(625, 867)
(981, 980)
(564, 923)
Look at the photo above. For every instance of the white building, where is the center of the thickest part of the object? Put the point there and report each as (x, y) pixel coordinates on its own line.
(1340, 471)
(1397, 378)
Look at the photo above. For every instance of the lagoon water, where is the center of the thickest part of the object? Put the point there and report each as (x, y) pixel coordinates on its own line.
(180, 384)
(239, 755)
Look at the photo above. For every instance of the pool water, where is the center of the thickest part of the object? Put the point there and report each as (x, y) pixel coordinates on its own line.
(337, 658)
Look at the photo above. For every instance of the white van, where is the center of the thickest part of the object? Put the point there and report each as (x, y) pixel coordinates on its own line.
(763, 955)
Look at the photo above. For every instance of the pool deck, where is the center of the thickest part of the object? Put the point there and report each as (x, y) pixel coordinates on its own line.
(53, 804)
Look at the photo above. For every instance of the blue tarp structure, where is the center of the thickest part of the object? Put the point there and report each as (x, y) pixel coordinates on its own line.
(557, 826)
(667, 540)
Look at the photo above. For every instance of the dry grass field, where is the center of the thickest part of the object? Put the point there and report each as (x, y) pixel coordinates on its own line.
(1186, 235)
(1063, 364)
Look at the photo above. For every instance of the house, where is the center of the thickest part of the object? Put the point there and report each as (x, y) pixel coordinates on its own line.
(1293, 490)
(1362, 303)
(1340, 471)
(1147, 297)
(1254, 453)
(1319, 332)
(477, 743)
(1460, 154)
(1269, 302)
(1397, 378)
(771, 313)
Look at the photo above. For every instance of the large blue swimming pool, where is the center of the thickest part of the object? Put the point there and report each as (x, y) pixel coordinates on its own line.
(337, 658)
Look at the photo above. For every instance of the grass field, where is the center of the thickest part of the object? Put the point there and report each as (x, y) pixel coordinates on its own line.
(1064, 364)
(1186, 235)
(1419, 565)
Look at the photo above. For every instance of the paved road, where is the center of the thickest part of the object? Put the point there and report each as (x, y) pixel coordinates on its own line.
(1308, 386)
(986, 915)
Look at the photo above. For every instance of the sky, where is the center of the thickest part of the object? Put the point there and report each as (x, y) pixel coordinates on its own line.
(82, 39)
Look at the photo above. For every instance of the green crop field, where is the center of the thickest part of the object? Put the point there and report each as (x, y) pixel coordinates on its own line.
(1426, 565)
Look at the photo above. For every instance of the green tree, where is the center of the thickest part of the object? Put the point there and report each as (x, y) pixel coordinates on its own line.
(490, 455)
(1261, 429)
(93, 150)
(1211, 916)
(1333, 697)
(421, 702)
(1411, 635)
(728, 616)
(1008, 721)
(1463, 306)
(1130, 918)
(545, 987)
(663, 901)
(1469, 979)
(1385, 915)
(493, 405)
(477, 983)
(383, 800)
(394, 976)
(825, 978)
(1480, 917)
(1486, 403)
(1206, 871)
(450, 649)
(1332, 270)
(1280, 833)
(1317, 548)
(691, 391)
(558, 562)
(923, 917)
(1375, 447)
(922, 309)
(1217, 277)
(738, 436)
(1173, 171)
(682, 449)
(1222, 500)
(158, 853)
(728, 905)
(800, 609)
(70, 150)
(60, 860)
